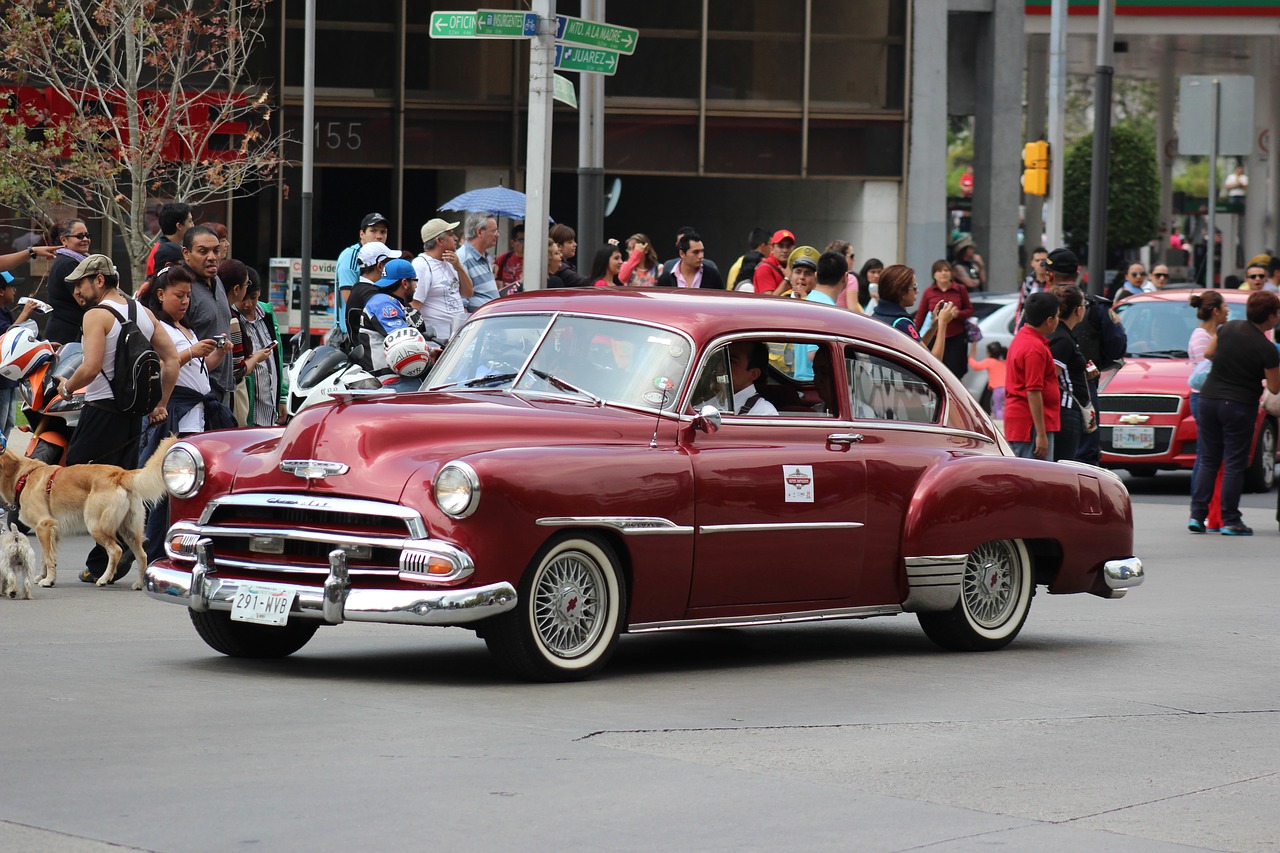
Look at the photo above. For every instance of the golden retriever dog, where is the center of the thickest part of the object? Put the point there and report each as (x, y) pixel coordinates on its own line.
(17, 564)
(102, 500)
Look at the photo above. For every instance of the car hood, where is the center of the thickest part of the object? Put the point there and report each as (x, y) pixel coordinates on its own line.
(1149, 376)
(416, 433)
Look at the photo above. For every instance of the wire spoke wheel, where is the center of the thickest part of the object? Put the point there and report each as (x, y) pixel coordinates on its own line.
(995, 598)
(572, 603)
(566, 604)
(991, 583)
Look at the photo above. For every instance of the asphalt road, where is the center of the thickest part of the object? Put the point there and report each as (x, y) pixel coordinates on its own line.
(1147, 724)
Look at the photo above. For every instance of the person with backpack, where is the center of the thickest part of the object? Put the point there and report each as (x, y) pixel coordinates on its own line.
(129, 370)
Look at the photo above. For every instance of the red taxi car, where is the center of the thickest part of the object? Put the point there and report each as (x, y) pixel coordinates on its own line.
(1144, 412)
(573, 469)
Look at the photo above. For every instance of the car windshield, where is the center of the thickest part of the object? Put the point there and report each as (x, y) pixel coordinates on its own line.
(1163, 329)
(597, 359)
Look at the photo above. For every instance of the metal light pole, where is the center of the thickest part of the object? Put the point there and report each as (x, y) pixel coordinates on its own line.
(542, 59)
(1057, 112)
(308, 163)
(1212, 245)
(1101, 149)
(591, 150)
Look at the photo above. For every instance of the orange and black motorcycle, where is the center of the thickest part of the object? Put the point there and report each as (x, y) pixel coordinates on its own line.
(36, 365)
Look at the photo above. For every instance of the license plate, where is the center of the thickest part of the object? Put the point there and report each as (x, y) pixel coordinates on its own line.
(1133, 438)
(262, 603)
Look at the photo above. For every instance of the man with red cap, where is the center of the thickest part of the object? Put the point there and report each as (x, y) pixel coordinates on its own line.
(771, 273)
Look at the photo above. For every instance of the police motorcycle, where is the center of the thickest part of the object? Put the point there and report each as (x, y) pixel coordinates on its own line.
(320, 373)
(37, 366)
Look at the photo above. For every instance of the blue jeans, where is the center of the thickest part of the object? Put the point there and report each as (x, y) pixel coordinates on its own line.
(1026, 449)
(8, 416)
(1195, 416)
(1226, 430)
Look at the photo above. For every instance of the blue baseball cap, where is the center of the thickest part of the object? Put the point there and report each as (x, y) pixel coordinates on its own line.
(6, 278)
(396, 270)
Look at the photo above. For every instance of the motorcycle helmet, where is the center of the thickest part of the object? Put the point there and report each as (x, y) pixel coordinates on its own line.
(21, 352)
(407, 352)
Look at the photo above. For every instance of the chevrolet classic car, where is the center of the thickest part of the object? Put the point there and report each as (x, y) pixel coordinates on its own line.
(576, 467)
(1144, 407)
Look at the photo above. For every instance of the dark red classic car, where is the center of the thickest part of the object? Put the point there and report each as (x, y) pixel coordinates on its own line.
(574, 469)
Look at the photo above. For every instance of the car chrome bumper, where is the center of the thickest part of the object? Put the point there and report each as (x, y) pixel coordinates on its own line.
(1122, 575)
(336, 601)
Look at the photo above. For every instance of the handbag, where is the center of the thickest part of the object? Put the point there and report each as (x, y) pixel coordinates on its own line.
(1199, 375)
(971, 329)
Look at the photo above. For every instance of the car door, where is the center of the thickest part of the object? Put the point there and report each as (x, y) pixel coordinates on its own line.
(780, 503)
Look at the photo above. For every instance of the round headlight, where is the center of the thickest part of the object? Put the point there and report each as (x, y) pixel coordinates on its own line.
(183, 470)
(457, 489)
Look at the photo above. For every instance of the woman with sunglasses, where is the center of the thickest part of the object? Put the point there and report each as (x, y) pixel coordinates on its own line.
(64, 323)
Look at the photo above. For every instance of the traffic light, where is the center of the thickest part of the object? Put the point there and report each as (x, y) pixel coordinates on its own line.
(1035, 175)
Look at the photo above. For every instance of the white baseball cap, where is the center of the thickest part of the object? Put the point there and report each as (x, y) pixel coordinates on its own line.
(372, 254)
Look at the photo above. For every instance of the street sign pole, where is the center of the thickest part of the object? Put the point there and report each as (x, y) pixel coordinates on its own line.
(591, 151)
(1212, 243)
(542, 57)
(308, 166)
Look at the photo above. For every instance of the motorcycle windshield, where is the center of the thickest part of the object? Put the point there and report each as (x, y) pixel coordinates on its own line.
(325, 360)
(69, 358)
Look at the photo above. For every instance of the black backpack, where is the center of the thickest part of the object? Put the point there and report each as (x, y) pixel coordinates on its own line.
(136, 384)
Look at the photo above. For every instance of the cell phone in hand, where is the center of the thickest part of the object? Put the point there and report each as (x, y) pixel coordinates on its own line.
(272, 345)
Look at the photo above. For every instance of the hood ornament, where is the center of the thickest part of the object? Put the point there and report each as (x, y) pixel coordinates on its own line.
(313, 469)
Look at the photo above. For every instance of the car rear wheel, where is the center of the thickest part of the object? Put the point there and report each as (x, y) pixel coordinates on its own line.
(1261, 474)
(995, 598)
(570, 611)
(247, 640)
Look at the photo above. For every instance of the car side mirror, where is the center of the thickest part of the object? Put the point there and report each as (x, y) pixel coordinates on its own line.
(707, 420)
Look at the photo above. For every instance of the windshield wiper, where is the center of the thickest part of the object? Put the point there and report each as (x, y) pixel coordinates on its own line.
(565, 386)
(485, 380)
(1159, 353)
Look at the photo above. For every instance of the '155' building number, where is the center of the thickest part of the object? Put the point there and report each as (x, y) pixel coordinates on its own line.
(331, 136)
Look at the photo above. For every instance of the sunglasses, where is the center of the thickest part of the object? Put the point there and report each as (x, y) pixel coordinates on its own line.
(1257, 275)
(85, 236)
(1138, 274)
(1159, 275)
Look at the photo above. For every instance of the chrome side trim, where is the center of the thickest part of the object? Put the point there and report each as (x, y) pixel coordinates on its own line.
(628, 525)
(933, 583)
(393, 606)
(798, 525)
(935, 429)
(412, 519)
(1123, 574)
(767, 619)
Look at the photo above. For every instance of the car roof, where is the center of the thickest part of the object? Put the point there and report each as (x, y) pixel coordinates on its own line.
(704, 314)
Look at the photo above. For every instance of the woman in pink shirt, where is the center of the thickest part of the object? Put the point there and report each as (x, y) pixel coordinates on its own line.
(642, 267)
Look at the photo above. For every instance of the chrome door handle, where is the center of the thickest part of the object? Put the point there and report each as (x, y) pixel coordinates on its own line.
(844, 438)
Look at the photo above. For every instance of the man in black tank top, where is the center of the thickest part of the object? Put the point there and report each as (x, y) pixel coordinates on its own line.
(105, 435)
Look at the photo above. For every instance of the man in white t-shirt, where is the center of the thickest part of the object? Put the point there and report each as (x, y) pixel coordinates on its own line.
(443, 283)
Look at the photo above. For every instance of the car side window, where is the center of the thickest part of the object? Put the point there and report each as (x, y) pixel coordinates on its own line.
(884, 390)
(744, 378)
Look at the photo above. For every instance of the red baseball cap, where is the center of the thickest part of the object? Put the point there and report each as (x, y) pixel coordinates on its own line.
(782, 234)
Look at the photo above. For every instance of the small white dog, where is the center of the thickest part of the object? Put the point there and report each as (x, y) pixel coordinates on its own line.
(17, 564)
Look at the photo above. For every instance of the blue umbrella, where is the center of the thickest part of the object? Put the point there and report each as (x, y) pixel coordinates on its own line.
(497, 200)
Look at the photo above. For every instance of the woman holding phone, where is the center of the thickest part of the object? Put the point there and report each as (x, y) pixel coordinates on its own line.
(264, 367)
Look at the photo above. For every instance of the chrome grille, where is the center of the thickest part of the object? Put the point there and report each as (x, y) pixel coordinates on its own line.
(302, 530)
(1159, 404)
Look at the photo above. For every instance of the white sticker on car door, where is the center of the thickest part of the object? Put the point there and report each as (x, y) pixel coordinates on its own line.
(797, 483)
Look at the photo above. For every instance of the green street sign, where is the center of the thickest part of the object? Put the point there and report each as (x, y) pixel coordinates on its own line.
(586, 59)
(595, 34)
(503, 23)
(563, 91)
(453, 25)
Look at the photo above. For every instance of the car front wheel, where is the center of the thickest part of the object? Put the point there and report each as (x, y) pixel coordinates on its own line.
(247, 640)
(995, 597)
(570, 611)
